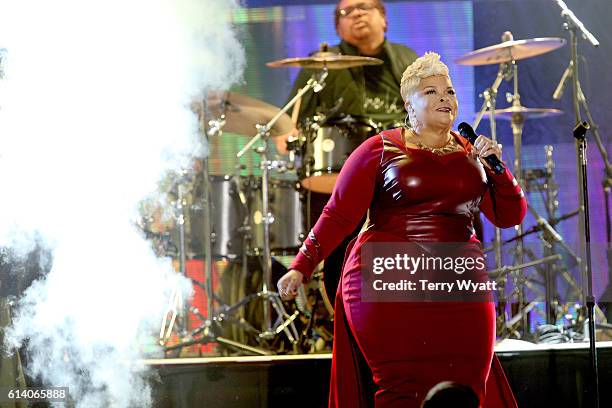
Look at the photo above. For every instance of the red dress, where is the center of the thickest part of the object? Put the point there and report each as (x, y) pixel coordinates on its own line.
(411, 195)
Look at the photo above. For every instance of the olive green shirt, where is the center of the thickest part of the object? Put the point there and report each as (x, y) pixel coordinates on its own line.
(372, 91)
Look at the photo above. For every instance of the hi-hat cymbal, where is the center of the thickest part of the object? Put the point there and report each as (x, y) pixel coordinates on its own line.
(329, 60)
(511, 50)
(526, 113)
(243, 112)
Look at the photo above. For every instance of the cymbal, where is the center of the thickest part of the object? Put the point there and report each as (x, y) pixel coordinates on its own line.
(527, 113)
(329, 60)
(511, 50)
(243, 112)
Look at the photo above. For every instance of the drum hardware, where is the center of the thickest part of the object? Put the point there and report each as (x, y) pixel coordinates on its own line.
(511, 50)
(520, 282)
(507, 54)
(490, 100)
(207, 335)
(308, 305)
(320, 151)
(543, 180)
(534, 229)
(549, 271)
(512, 325)
(537, 179)
(323, 59)
(236, 113)
(328, 143)
(229, 227)
(490, 94)
(208, 331)
(176, 305)
(525, 113)
(498, 272)
(271, 300)
(284, 215)
(517, 123)
(265, 218)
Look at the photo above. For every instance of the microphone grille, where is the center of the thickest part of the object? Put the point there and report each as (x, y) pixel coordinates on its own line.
(466, 131)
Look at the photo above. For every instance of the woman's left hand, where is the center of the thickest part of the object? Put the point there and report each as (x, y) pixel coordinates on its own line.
(485, 147)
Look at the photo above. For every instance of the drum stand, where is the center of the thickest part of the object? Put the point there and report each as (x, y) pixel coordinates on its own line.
(489, 105)
(174, 310)
(269, 298)
(284, 322)
(509, 70)
(212, 322)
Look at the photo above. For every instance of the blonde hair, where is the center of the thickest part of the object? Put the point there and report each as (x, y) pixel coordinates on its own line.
(423, 67)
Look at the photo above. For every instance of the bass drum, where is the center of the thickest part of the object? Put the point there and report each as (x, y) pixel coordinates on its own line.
(228, 212)
(287, 219)
(327, 148)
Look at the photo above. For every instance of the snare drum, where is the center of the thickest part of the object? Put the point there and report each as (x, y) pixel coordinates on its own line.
(331, 145)
(287, 220)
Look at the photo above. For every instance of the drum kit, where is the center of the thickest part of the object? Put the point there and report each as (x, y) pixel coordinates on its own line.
(546, 287)
(232, 217)
(237, 218)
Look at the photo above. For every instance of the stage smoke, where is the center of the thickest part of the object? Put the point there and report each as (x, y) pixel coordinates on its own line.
(94, 109)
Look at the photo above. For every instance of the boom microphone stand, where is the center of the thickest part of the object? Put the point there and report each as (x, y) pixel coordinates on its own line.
(572, 24)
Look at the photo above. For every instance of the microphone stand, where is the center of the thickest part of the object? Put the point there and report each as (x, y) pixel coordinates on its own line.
(572, 24)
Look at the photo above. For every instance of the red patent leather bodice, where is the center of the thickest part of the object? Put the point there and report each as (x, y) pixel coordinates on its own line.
(426, 197)
(411, 194)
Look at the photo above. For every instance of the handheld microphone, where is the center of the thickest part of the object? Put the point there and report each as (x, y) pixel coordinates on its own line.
(496, 165)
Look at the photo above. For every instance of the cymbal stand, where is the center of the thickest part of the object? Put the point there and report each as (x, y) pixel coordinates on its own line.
(316, 83)
(490, 94)
(284, 322)
(517, 124)
(507, 326)
(489, 105)
(207, 331)
(176, 299)
(573, 25)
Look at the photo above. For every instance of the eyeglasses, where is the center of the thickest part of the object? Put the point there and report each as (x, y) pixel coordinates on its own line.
(345, 12)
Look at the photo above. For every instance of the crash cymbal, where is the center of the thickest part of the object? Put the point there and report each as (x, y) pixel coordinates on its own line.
(527, 113)
(242, 113)
(329, 60)
(511, 50)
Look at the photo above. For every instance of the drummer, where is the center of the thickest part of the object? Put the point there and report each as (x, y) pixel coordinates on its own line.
(368, 92)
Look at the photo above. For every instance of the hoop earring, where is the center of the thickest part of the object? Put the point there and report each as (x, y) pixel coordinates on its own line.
(407, 121)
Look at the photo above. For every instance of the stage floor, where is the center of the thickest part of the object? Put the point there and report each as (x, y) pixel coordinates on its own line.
(540, 375)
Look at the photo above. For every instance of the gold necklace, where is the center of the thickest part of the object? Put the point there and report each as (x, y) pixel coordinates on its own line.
(449, 147)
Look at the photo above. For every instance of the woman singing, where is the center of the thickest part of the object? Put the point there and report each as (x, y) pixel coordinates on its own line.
(418, 184)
